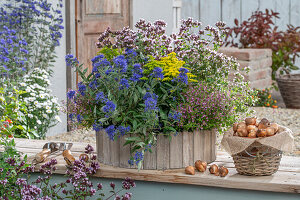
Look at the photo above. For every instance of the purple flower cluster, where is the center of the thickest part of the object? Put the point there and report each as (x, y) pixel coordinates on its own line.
(112, 131)
(205, 108)
(137, 73)
(101, 97)
(150, 101)
(71, 94)
(121, 63)
(175, 116)
(124, 84)
(71, 60)
(81, 88)
(138, 157)
(109, 107)
(158, 73)
(16, 185)
(13, 51)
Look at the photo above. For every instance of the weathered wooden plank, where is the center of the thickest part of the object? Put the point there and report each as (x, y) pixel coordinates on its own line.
(163, 152)
(38, 144)
(210, 12)
(248, 7)
(190, 8)
(266, 4)
(114, 152)
(207, 156)
(187, 149)
(279, 182)
(283, 7)
(231, 9)
(106, 149)
(198, 145)
(176, 151)
(100, 145)
(282, 181)
(150, 161)
(124, 154)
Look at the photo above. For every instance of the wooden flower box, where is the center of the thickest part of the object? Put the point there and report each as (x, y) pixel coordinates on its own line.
(182, 150)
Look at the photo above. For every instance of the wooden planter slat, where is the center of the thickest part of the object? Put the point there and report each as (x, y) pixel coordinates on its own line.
(163, 155)
(182, 150)
(100, 145)
(150, 159)
(176, 151)
(125, 151)
(114, 147)
(187, 149)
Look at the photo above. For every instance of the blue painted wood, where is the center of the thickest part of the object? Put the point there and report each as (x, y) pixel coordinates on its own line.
(165, 191)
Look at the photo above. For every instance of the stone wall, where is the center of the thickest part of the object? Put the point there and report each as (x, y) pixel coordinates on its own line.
(258, 60)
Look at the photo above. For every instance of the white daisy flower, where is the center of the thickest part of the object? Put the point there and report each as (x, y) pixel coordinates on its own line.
(38, 122)
(58, 118)
(48, 111)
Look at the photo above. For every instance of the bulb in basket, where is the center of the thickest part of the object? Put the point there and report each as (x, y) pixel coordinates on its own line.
(253, 128)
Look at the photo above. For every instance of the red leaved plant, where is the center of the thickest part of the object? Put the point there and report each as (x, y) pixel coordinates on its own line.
(259, 31)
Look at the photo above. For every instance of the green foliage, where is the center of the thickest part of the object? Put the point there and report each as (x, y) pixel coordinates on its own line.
(265, 98)
(110, 53)
(15, 110)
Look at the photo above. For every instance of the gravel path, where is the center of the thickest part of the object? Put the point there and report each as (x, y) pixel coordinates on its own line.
(286, 117)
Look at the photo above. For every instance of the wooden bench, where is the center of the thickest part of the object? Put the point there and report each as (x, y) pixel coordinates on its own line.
(286, 180)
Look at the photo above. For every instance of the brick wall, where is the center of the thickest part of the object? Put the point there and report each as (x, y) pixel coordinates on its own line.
(259, 62)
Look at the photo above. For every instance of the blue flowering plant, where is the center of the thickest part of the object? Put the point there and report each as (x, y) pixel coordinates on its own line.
(29, 32)
(129, 97)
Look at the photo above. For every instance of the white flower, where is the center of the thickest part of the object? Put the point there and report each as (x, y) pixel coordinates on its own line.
(45, 116)
(30, 115)
(36, 103)
(42, 96)
(28, 89)
(39, 122)
(48, 111)
(48, 107)
(54, 100)
(58, 118)
(45, 76)
(22, 84)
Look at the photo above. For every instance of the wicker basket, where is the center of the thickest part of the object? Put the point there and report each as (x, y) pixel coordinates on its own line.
(257, 160)
(289, 86)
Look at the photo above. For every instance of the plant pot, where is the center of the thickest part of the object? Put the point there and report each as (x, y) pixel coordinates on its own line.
(289, 86)
(182, 150)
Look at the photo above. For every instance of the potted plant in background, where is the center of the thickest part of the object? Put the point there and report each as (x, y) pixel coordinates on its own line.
(259, 31)
(146, 87)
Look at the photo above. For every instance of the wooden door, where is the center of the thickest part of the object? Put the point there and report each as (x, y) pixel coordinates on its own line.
(92, 18)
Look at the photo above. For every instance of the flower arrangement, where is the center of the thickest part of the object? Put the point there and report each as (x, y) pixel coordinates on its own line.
(138, 85)
(43, 108)
(16, 182)
(259, 32)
